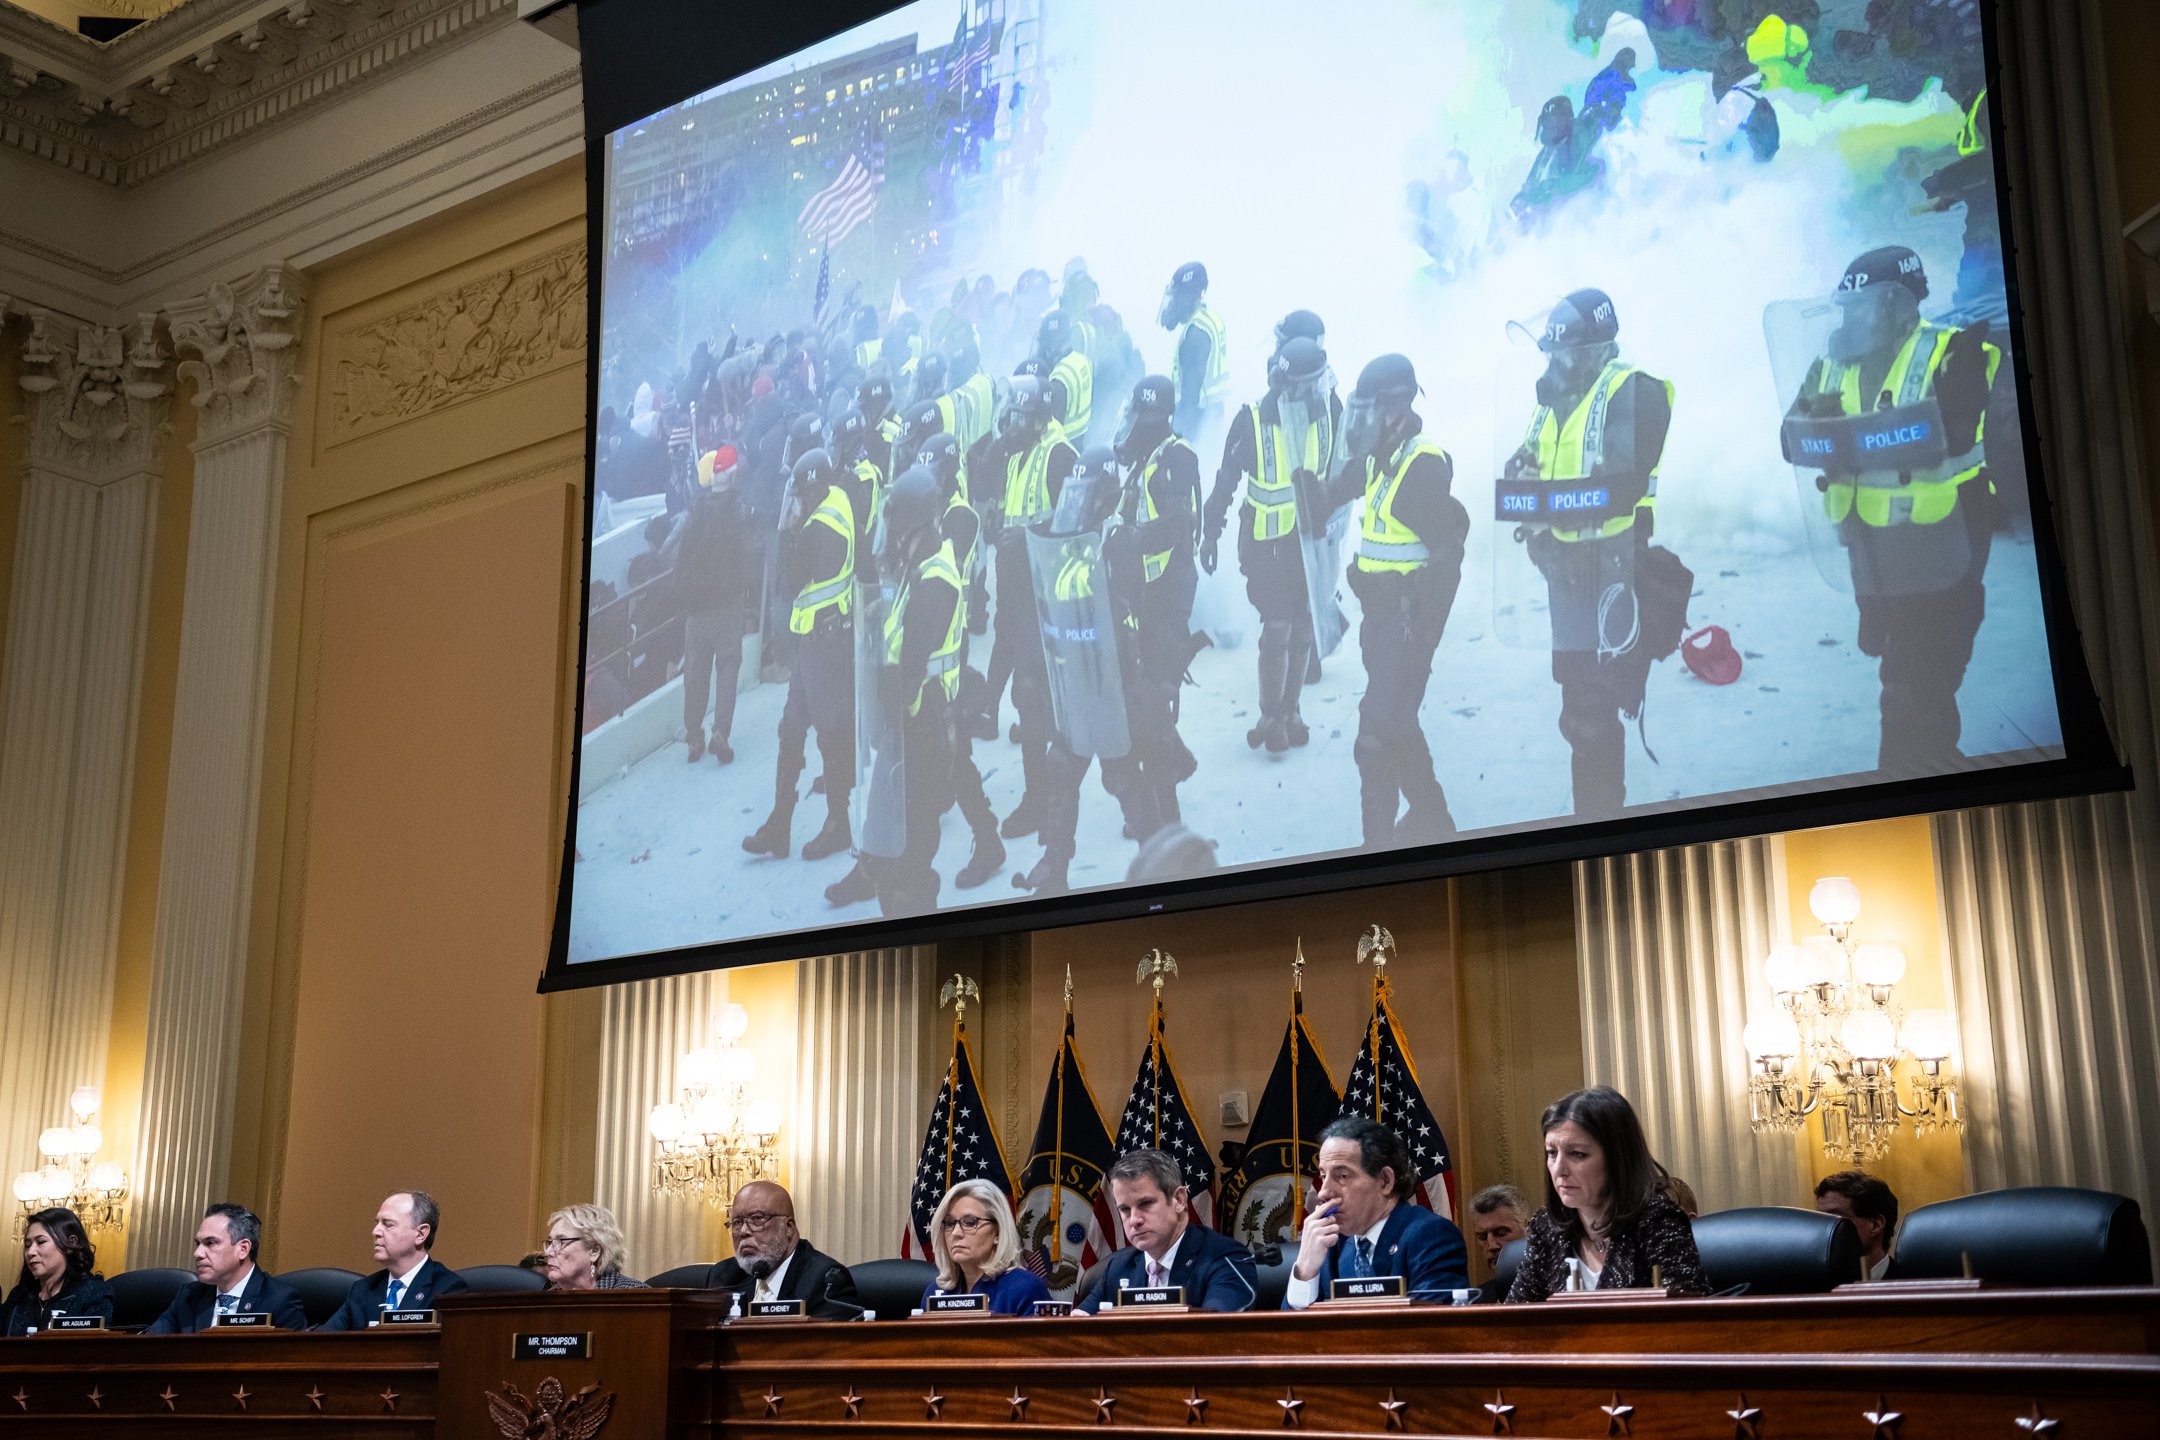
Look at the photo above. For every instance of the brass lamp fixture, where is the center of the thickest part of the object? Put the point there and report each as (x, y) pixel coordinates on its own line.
(1835, 1033)
(71, 1175)
(716, 1138)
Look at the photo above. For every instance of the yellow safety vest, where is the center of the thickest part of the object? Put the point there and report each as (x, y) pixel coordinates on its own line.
(1027, 479)
(1271, 490)
(888, 429)
(1217, 380)
(837, 513)
(1889, 497)
(1083, 339)
(874, 478)
(1077, 374)
(1153, 565)
(944, 666)
(866, 353)
(968, 408)
(1569, 450)
(1385, 544)
(965, 560)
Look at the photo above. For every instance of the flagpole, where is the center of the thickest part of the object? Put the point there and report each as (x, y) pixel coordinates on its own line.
(1297, 1131)
(1376, 945)
(1057, 1154)
(956, 992)
(1155, 966)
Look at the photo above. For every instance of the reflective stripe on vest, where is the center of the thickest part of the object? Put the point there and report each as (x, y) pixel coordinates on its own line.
(944, 666)
(866, 353)
(874, 481)
(1888, 497)
(964, 560)
(838, 514)
(1153, 565)
(1217, 379)
(1271, 489)
(1027, 479)
(1077, 374)
(1385, 544)
(1571, 451)
(970, 412)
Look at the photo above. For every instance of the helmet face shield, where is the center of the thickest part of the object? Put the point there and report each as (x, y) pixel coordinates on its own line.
(1872, 319)
(1361, 424)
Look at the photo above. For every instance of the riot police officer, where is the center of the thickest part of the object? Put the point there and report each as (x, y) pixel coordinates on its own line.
(1283, 447)
(1602, 423)
(848, 441)
(1408, 568)
(1070, 383)
(1038, 459)
(1199, 373)
(1161, 504)
(962, 528)
(817, 565)
(874, 399)
(1916, 536)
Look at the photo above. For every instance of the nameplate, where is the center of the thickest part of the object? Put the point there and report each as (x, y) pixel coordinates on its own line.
(1632, 1294)
(409, 1317)
(969, 1304)
(1368, 1287)
(62, 1324)
(776, 1310)
(1151, 1297)
(242, 1320)
(1050, 1309)
(551, 1347)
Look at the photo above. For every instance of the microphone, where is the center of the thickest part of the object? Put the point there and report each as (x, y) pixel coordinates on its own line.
(826, 1297)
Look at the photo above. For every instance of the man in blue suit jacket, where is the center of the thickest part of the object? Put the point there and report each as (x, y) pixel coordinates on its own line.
(1361, 1226)
(227, 1280)
(410, 1279)
(1153, 1205)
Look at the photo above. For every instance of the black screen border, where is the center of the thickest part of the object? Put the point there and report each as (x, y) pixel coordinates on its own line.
(637, 60)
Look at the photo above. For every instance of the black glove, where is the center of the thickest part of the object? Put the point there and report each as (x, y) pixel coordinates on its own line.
(1209, 559)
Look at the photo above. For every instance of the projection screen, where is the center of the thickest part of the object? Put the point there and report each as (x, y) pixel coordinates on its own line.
(1063, 458)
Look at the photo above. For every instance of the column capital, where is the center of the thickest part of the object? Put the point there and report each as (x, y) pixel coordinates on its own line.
(101, 407)
(243, 346)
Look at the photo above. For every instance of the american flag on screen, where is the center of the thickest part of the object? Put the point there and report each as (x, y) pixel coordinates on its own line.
(833, 213)
(961, 1144)
(1156, 1117)
(965, 62)
(1383, 1085)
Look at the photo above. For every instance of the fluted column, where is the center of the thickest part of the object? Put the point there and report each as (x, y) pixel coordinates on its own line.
(859, 1100)
(1665, 941)
(644, 1028)
(2050, 910)
(240, 348)
(96, 406)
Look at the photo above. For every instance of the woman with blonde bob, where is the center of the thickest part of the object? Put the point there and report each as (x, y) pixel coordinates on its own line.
(978, 1250)
(584, 1250)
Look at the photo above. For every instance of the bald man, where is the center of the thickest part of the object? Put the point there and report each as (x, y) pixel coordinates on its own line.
(773, 1262)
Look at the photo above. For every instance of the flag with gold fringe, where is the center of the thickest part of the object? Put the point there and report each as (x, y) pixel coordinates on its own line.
(1065, 1220)
(1265, 1196)
(1383, 1085)
(961, 1142)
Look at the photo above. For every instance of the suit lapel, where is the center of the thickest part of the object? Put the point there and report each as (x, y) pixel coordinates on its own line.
(1387, 1250)
(796, 1286)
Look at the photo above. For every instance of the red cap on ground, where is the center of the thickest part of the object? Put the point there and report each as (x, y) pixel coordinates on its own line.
(1710, 655)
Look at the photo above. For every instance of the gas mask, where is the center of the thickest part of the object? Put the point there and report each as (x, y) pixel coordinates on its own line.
(1363, 425)
(1872, 320)
(1570, 370)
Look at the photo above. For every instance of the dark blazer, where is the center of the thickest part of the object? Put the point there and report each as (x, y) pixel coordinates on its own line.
(364, 1302)
(1216, 1271)
(813, 1277)
(192, 1308)
(1660, 1236)
(1010, 1293)
(1425, 1249)
(79, 1295)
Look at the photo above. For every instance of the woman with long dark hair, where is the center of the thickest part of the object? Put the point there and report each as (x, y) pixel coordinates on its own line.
(57, 1275)
(1606, 1209)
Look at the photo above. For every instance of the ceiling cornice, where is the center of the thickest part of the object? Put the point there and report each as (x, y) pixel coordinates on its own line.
(206, 75)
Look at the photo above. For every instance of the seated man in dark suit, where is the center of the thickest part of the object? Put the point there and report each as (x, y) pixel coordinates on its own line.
(773, 1262)
(227, 1280)
(411, 1278)
(1167, 1248)
(1365, 1178)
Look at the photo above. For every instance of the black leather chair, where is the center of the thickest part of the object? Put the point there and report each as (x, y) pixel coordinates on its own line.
(1504, 1267)
(1270, 1282)
(488, 1279)
(2045, 1235)
(1777, 1250)
(889, 1289)
(1090, 1276)
(140, 1296)
(684, 1277)
(321, 1288)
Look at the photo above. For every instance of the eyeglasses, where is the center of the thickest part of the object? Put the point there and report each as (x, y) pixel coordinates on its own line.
(561, 1242)
(755, 1220)
(969, 1223)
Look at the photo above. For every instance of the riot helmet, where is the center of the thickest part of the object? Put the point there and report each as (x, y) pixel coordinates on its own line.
(803, 436)
(1879, 299)
(1182, 296)
(939, 453)
(808, 480)
(1026, 411)
(930, 376)
(849, 436)
(1079, 291)
(1053, 338)
(922, 422)
(1090, 494)
(908, 521)
(1300, 324)
(966, 360)
(874, 397)
(1580, 337)
(1380, 405)
(1299, 372)
(1147, 417)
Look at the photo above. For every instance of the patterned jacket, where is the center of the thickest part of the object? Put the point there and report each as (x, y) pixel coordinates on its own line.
(1660, 1236)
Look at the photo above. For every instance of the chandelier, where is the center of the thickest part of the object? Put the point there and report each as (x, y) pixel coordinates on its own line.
(1831, 1041)
(715, 1138)
(71, 1175)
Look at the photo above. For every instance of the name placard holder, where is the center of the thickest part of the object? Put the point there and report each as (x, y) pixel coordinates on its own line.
(1152, 1299)
(946, 1307)
(75, 1324)
(1364, 1290)
(242, 1320)
(402, 1318)
(1050, 1309)
(552, 1347)
(1631, 1295)
(775, 1310)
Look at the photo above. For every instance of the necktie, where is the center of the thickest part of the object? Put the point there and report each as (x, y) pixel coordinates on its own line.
(395, 1293)
(226, 1304)
(1157, 1277)
(1364, 1256)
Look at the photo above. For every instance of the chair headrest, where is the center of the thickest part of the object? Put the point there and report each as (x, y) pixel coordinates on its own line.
(2042, 1235)
(1777, 1250)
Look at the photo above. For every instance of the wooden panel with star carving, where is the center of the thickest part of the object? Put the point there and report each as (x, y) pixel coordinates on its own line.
(377, 1384)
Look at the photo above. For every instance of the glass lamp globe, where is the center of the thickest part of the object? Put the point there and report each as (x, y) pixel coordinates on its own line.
(1835, 900)
(1869, 1035)
(1822, 962)
(85, 1140)
(699, 1068)
(665, 1124)
(1879, 964)
(29, 1187)
(108, 1178)
(1772, 1036)
(1784, 970)
(711, 1116)
(84, 1102)
(763, 1117)
(731, 1022)
(55, 1141)
(737, 1066)
(56, 1184)
(1927, 1034)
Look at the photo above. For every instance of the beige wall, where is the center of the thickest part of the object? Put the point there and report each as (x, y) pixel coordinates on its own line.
(11, 467)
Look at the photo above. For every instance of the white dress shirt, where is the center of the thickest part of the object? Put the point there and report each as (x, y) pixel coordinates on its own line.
(769, 1287)
(405, 1282)
(1303, 1292)
(1163, 1265)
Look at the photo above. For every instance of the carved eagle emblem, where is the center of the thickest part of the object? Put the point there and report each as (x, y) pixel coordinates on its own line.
(550, 1414)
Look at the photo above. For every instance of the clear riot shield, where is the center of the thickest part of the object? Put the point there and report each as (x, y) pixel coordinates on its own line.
(1079, 637)
(878, 806)
(1865, 442)
(1563, 570)
(1321, 533)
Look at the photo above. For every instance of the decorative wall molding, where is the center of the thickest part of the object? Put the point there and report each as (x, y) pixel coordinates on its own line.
(245, 341)
(207, 75)
(99, 407)
(458, 345)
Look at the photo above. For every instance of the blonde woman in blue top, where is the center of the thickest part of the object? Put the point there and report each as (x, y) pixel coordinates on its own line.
(977, 1246)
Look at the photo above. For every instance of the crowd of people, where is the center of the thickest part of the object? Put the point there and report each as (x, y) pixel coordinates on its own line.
(1612, 1218)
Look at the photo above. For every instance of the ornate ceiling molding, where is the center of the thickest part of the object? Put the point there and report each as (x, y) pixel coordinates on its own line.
(207, 75)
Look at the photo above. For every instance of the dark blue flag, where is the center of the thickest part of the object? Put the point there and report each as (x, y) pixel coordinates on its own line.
(1265, 1198)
